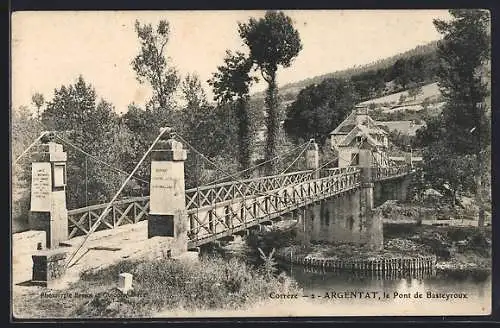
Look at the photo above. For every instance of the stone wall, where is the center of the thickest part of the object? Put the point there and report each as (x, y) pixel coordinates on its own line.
(341, 219)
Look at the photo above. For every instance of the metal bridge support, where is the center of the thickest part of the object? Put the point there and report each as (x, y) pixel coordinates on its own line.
(312, 158)
(48, 210)
(167, 217)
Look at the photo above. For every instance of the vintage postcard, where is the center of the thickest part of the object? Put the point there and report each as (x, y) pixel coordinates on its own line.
(292, 163)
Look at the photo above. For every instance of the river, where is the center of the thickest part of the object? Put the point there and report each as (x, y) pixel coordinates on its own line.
(346, 293)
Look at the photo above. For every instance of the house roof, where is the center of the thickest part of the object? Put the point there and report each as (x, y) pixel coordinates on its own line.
(362, 131)
(357, 119)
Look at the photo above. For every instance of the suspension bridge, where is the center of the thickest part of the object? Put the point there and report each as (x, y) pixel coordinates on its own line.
(333, 204)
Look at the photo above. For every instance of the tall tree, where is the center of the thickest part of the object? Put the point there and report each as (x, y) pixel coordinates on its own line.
(231, 85)
(38, 100)
(318, 109)
(273, 41)
(193, 92)
(401, 72)
(151, 65)
(92, 126)
(464, 52)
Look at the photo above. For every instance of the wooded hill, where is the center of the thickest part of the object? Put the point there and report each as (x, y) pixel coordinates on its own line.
(389, 75)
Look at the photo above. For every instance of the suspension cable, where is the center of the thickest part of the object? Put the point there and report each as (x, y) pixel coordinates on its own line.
(298, 157)
(30, 146)
(88, 154)
(105, 211)
(98, 160)
(260, 193)
(260, 164)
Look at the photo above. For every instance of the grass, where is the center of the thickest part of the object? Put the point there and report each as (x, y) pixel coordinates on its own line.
(159, 286)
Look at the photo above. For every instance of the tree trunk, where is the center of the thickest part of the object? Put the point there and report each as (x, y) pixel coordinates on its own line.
(243, 136)
(271, 123)
(479, 191)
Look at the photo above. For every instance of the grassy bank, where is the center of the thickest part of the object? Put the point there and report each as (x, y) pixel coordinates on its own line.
(159, 286)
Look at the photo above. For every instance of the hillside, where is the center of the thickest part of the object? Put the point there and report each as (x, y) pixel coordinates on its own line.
(289, 91)
(426, 102)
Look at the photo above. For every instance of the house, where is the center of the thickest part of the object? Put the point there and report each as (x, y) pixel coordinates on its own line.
(359, 141)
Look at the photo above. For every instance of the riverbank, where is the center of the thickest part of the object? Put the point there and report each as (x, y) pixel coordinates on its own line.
(455, 249)
(159, 286)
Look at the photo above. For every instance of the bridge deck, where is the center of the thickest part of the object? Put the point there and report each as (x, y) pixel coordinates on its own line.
(221, 210)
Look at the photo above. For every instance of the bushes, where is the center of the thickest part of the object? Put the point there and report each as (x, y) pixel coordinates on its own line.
(212, 283)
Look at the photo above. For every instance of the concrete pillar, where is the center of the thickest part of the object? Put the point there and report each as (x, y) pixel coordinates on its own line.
(167, 209)
(379, 196)
(333, 207)
(358, 228)
(315, 226)
(365, 158)
(374, 234)
(48, 266)
(403, 187)
(302, 228)
(48, 210)
(312, 158)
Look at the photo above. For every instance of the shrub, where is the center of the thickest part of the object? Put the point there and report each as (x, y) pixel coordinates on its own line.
(212, 283)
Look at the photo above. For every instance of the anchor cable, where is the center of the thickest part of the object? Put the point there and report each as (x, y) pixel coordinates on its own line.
(105, 211)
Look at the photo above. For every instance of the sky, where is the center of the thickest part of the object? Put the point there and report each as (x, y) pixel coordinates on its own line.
(51, 49)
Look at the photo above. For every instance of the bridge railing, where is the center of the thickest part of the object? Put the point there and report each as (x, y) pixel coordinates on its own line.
(381, 173)
(212, 194)
(337, 171)
(130, 210)
(133, 210)
(223, 219)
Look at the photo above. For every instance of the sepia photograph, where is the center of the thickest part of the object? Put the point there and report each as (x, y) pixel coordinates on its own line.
(250, 163)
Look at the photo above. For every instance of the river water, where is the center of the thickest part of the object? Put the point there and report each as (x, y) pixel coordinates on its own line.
(348, 293)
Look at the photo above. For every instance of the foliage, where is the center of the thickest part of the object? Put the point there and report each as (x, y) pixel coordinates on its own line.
(231, 85)
(216, 142)
(25, 129)
(449, 172)
(38, 100)
(318, 109)
(400, 140)
(193, 92)
(457, 140)
(464, 50)
(213, 283)
(269, 263)
(152, 66)
(402, 98)
(273, 42)
(232, 80)
(94, 127)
